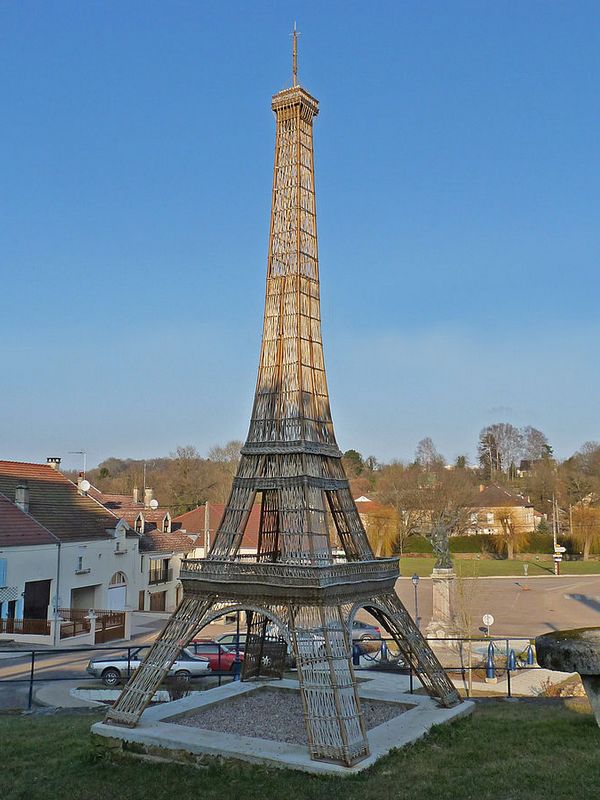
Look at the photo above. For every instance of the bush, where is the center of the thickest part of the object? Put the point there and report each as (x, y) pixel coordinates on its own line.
(480, 543)
(483, 543)
(417, 544)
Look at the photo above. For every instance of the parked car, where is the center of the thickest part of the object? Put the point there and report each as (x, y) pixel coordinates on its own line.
(229, 640)
(220, 657)
(112, 670)
(269, 655)
(363, 631)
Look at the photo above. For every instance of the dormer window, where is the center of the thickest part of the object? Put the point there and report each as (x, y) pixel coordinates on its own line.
(166, 524)
(139, 523)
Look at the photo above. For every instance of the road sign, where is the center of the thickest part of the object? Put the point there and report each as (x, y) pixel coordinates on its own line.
(488, 620)
(558, 557)
(560, 549)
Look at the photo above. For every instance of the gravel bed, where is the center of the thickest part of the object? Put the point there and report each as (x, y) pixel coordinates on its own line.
(273, 714)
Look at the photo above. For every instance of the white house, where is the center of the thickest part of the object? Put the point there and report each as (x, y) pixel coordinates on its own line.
(61, 554)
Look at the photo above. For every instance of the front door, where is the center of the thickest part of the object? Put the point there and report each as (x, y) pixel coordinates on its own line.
(37, 598)
(158, 601)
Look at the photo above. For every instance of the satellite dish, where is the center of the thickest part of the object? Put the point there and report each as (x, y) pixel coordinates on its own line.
(85, 486)
(154, 504)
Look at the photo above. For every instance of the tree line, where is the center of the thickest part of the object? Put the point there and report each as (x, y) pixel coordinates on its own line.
(418, 493)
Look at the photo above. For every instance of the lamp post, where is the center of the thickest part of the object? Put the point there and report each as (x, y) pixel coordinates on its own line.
(415, 583)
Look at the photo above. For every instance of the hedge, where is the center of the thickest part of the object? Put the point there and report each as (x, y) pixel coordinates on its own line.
(482, 543)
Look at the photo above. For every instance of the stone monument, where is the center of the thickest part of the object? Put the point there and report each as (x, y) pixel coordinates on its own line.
(443, 579)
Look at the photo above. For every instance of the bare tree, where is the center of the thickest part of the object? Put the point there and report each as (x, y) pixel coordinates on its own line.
(508, 442)
(513, 535)
(427, 455)
(535, 444)
(382, 531)
(224, 461)
(586, 527)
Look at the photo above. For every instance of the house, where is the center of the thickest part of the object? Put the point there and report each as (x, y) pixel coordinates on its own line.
(202, 523)
(493, 503)
(161, 548)
(61, 554)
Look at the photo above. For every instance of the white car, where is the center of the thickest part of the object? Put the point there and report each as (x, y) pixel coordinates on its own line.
(112, 670)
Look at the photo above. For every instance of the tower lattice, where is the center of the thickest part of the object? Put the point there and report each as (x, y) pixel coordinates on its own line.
(314, 566)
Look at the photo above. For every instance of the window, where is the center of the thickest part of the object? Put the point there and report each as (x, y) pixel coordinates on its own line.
(139, 523)
(166, 524)
(79, 563)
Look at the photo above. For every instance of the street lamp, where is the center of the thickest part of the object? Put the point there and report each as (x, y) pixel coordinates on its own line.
(415, 583)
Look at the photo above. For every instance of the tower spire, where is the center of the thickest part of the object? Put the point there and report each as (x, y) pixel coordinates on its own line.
(295, 57)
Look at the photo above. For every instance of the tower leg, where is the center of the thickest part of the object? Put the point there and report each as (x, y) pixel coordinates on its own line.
(147, 678)
(390, 612)
(334, 721)
(266, 649)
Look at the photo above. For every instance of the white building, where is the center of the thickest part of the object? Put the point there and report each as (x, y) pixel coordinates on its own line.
(60, 553)
(66, 549)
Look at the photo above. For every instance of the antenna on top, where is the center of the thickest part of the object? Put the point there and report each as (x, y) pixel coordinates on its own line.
(80, 453)
(295, 57)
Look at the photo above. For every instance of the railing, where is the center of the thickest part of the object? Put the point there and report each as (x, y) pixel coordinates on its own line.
(74, 621)
(467, 662)
(160, 575)
(285, 572)
(38, 668)
(34, 627)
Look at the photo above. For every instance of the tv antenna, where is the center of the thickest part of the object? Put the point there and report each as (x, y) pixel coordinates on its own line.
(80, 453)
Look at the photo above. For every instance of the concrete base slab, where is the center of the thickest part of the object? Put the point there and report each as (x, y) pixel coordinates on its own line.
(158, 737)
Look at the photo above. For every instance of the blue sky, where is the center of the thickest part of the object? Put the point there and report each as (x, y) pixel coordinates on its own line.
(458, 192)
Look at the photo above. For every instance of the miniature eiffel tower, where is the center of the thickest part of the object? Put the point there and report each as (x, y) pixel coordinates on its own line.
(304, 585)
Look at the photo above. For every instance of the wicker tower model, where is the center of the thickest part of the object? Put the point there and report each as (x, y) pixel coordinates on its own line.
(314, 566)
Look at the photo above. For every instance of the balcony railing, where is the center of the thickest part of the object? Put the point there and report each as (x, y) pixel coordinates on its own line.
(160, 575)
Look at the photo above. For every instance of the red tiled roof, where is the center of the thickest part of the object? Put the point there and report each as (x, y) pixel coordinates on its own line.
(372, 508)
(18, 529)
(55, 503)
(193, 523)
(155, 541)
(125, 507)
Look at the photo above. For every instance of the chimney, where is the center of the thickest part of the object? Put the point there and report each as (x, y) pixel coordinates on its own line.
(148, 497)
(54, 462)
(136, 494)
(22, 496)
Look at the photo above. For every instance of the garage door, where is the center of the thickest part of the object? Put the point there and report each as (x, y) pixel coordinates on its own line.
(117, 596)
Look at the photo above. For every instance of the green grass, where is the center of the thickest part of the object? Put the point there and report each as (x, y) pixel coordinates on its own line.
(538, 751)
(486, 567)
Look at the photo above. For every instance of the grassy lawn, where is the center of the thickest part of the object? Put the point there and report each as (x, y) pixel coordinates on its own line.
(487, 567)
(538, 750)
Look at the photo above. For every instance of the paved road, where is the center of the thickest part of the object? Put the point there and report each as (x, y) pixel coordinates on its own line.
(520, 606)
(69, 665)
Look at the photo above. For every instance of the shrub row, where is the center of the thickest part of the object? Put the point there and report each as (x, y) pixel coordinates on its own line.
(481, 543)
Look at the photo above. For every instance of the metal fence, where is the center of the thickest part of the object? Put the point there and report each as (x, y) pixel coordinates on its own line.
(478, 666)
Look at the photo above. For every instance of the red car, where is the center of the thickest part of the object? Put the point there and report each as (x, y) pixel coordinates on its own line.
(221, 658)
